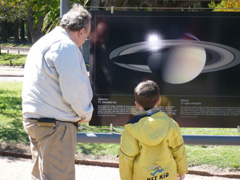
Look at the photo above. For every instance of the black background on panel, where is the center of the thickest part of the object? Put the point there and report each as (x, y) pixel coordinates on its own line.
(110, 80)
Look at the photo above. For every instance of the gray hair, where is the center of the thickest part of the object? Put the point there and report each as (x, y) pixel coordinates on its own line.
(76, 18)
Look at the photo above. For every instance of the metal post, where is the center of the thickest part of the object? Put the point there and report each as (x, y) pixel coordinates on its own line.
(64, 7)
(112, 9)
(98, 138)
(111, 127)
(114, 138)
(211, 140)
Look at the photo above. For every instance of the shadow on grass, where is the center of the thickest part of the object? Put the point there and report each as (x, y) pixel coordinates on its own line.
(97, 149)
(11, 127)
(14, 132)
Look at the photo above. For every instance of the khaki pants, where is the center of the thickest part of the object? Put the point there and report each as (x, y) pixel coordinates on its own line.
(53, 150)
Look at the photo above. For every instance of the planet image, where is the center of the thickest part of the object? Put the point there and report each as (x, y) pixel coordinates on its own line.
(183, 64)
(176, 61)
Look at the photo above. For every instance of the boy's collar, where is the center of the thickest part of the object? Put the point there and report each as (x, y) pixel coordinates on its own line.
(148, 112)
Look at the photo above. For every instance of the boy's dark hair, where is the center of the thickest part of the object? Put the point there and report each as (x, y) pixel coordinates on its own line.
(147, 94)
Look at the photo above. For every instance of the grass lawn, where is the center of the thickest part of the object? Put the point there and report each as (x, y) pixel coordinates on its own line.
(11, 44)
(16, 59)
(11, 131)
(10, 113)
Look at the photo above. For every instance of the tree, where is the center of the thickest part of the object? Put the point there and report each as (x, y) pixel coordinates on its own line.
(4, 31)
(16, 33)
(148, 4)
(9, 12)
(94, 3)
(226, 6)
(43, 15)
(33, 11)
(37, 10)
(22, 32)
(7, 5)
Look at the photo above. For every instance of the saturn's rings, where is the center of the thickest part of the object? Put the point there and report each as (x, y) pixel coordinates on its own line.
(228, 56)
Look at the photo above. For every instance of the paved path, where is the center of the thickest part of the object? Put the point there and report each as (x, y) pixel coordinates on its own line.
(20, 169)
(14, 50)
(11, 73)
(6, 71)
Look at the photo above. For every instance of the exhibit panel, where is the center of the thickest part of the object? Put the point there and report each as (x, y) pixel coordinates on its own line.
(193, 56)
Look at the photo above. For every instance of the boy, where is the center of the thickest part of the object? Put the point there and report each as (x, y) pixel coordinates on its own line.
(152, 146)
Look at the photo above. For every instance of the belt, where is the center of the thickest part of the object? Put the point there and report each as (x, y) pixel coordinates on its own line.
(46, 121)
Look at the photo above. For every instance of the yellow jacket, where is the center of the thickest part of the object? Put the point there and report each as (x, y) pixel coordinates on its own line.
(152, 148)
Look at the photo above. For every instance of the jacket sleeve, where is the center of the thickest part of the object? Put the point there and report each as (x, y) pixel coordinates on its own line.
(73, 80)
(127, 152)
(176, 143)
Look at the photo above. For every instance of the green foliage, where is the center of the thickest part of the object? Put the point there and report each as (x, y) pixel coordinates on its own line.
(39, 9)
(52, 17)
(12, 9)
(42, 8)
(16, 60)
(51, 20)
(97, 149)
(19, 62)
(219, 156)
(11, 129)
(85, 2)
(210, 131)
(150, 5)
(32, 10)
(9, 44)
(226, 6)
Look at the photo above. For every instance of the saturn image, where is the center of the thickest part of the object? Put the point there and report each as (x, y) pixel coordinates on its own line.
(176, 61)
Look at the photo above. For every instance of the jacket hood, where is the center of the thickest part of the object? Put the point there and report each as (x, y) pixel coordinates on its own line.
(150, 130)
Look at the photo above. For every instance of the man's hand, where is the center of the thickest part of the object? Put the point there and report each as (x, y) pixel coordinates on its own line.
(84, 121)
(181, 176)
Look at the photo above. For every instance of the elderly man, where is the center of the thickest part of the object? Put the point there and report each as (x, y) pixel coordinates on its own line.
(57, 96)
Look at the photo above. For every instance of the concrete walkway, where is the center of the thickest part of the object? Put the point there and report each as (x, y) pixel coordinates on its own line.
(14, 50)
(20, 169)
(7, 71)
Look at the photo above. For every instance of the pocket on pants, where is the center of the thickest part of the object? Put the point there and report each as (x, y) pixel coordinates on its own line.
(61, 131)
(66, 131)
(36, 132)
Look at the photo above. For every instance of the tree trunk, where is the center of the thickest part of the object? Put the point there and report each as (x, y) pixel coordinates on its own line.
(95, 3)
(35, 30)
(16, 34)
(125, 2)
(29, 38)
(4, 34)
(22, 32)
